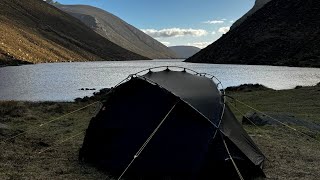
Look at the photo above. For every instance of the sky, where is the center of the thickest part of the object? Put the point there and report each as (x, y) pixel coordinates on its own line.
(176, 22)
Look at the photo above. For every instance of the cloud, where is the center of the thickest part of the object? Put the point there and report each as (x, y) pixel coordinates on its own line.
(231, 21)
(224, 30)
(214, 22)
(174, 32)
(213, 32)
(200, 44)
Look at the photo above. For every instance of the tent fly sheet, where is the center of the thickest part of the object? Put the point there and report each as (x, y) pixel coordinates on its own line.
(170, 123)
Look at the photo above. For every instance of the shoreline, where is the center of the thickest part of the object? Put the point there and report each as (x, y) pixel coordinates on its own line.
(277, 65)
(100, 92)
(14, 63)
(5, 62)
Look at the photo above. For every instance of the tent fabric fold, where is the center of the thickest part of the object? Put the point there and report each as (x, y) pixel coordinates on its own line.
(199, 91)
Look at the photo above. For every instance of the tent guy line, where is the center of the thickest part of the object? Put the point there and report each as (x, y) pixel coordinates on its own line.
(150, 80)
(148, 140)
(63, 141)
(150, 137)
(156, 79)
(37, 127)
(285, 125)
(113, 137)
(233, 163)
(243, 115)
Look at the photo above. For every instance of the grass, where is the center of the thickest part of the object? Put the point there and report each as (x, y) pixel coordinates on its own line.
(40, 152)
(20, 158)
(302, 102)
(290, 154)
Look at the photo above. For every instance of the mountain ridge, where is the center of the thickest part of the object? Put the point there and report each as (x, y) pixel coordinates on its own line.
(257, 5)
(118, 31)
(273, 35)
(36, 32)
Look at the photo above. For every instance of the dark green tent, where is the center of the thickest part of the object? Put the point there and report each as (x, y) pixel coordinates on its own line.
(170, 124)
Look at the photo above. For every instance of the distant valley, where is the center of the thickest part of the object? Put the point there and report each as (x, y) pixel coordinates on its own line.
(273, 32)
(184, 52)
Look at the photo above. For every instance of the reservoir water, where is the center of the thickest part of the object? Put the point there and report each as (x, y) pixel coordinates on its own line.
(63, 81)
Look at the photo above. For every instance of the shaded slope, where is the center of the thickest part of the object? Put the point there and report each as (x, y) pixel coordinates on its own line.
(283, 32)
(34, 31)
(257, 5)
(184, 52)
(118, 31)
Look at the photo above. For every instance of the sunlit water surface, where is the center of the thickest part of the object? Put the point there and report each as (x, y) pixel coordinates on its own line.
(62, 81)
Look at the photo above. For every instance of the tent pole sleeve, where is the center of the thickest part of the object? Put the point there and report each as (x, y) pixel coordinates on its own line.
(233, 163)
(148, 140)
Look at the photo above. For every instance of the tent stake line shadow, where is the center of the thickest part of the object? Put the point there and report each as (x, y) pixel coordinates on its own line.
(186, 146)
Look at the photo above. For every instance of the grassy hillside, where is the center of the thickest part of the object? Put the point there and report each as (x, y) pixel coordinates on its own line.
(282, 32)
(118, 31)
(290, 155)
(34, 31)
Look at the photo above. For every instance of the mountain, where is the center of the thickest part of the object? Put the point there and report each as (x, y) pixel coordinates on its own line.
(257, 5)
(184, 52)
(118, 31)
(34, 31)
(282, 32)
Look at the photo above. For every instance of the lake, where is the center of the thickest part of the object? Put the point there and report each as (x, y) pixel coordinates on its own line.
(63, 81)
